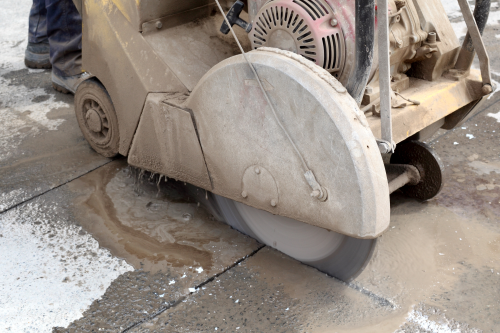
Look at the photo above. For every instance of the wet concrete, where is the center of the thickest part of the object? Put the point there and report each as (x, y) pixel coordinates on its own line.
(159, 228)
(41, 146)
(52, 270)
(108, 252)
(269, 292)
(154, 224)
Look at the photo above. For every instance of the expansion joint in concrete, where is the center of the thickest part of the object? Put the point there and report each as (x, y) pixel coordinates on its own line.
(183, 298)
(51, 189)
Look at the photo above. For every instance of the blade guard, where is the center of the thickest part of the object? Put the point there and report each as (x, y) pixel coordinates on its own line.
(237, 131)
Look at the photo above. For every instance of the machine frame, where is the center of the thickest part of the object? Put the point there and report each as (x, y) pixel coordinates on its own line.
(152, 56)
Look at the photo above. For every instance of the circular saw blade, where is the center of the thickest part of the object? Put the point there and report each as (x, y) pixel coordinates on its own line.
(338, 255)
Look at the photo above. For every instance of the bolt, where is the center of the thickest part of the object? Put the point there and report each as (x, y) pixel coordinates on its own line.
(273, 203)
(369, 90)
(158, 25)
(244, 194)
(257, 170)
(487, 89)
(384, 147)
(431, 37)
(334, 22)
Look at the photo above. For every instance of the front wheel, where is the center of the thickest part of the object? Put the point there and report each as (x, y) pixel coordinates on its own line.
(97, 118)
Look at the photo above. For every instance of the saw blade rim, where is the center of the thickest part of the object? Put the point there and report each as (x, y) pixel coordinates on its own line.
(345, 261)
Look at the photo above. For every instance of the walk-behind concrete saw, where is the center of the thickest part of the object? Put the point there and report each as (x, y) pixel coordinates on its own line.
(284, 109)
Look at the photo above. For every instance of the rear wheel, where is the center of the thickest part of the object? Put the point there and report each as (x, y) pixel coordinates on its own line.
(428, 164)
(338, 255)
(97, 118)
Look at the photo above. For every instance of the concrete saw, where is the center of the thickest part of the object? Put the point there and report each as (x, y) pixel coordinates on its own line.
(338, 255)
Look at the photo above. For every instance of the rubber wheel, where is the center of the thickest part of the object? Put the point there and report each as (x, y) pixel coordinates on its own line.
(338, 255)
(429, 165)
(97, 118)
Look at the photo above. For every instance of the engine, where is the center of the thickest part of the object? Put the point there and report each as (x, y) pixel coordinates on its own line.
(323, 31)
(305, 27)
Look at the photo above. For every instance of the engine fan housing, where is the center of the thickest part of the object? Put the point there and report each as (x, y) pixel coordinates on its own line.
(305, 27)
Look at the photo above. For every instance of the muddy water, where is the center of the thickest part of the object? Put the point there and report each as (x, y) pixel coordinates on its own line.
(154, 227)
(432, 256)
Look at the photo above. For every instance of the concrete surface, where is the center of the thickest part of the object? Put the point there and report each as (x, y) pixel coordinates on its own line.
(88, 244)
(40, 143)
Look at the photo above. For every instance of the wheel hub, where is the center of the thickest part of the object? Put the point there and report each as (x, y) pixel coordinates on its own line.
(281, 39)
(94, 121)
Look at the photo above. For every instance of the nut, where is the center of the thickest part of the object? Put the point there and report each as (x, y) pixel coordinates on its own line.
(273, 203)
(431, 37)
(334, 22)
(244, 194)
(486, 89)
(158, 25)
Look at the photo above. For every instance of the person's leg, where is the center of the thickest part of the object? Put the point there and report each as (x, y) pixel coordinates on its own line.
(64, 29)
(37, 51)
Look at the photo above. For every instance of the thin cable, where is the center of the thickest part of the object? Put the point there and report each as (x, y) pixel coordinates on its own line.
(304, 164)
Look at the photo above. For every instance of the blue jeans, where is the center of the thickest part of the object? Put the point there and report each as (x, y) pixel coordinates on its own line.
(58, 23)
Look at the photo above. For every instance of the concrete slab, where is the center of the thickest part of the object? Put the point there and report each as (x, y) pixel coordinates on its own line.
(157, 227)
(269, 292)
(52, 270)
(41, 146)
(435, 270)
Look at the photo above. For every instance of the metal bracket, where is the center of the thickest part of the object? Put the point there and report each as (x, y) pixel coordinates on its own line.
(386, 147)
(477, 41)
(384, 71)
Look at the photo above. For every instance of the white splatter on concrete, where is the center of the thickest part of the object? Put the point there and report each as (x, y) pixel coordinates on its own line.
(19, 115)
(482, 168)
(51, 271)
(452, 8)
(14, 36)
(421, 322)
(453, 11)
(495, 115)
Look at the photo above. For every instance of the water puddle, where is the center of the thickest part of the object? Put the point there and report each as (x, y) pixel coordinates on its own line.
(428, 256)
(154, 224)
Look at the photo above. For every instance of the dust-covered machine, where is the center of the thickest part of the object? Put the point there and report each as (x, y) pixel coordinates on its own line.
(291, 135)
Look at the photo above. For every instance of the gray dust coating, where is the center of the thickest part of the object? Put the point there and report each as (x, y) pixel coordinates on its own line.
(41, 146)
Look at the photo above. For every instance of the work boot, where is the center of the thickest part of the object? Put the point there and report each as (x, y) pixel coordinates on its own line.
(37, 55)
(67, 84)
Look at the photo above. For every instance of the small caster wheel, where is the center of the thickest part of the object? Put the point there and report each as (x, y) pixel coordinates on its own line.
(97, 118)
(429, 165)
